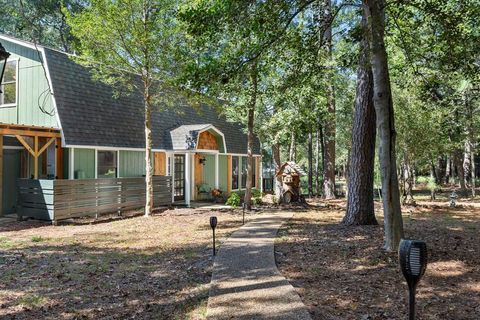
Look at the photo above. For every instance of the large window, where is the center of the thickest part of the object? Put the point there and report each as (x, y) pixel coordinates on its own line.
(244, 172)
(235, 172)
(9, 84)
(106, 164)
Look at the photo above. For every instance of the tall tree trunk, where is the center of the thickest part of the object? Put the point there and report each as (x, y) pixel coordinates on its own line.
(317, 164)
(322, 149)
(458, 163)
(408, 178)
(310, 163)
(466, 161)
(278, 179)
(472, 172)
(250, 137)
(448, 170)
(148, 150)
(440, 170)
(360, 207)
(382, 98)
(293, 147)
(329, 161)
(432, 179)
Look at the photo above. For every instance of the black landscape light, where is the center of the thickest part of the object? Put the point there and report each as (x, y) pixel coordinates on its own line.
(213, 224)
(3, 63)
(413, 261)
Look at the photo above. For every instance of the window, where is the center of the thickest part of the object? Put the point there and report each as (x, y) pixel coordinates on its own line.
(106, 164)
(169, 165)
(244, 172)
(9, 84)
(235, 172)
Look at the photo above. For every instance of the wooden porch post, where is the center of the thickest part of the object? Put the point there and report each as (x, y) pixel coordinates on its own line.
(217, 184)
(35, 159)
(1, 175)
(58, 159)
(188, 179)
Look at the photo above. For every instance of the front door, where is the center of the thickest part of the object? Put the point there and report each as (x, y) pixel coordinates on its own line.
(179, 176)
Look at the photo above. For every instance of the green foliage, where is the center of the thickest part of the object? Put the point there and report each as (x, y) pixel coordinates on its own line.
(256, 196)
(233, 200)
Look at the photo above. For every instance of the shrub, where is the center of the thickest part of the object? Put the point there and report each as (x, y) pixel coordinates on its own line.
(256, 197)
(233, 200)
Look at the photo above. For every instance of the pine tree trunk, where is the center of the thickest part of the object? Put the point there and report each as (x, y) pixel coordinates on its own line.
(277, 164)
(383, 103)
(317, 165)
(457, 159)
(250, 137)
(293, 147)
(448, 169)
(360, 207)
(310, 164)
(148, 151)
(329, 160)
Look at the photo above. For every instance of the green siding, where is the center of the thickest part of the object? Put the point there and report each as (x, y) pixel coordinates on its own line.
(209, 171)
(84, 163)
(132, 163)
(32, 90)
(11, 172)
(223, 176)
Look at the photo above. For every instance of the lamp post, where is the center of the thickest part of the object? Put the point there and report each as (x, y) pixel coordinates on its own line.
(213, 225)
(3, 62)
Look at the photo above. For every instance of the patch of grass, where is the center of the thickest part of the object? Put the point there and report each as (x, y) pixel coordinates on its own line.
(32, 300)
(6, 243)
(38, 239)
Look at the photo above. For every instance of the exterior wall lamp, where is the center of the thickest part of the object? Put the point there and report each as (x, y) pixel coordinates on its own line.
(203, 161)
(3, 62)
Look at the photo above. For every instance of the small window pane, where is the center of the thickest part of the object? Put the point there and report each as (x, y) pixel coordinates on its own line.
(9, 84)
(244, 172)
(107, 164)
(10, 74)
(234, 173)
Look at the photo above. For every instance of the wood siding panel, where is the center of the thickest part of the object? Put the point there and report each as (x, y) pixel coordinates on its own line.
(223, 172)
(159, 168)
(32, 90)
(198, 174)
(207, 141)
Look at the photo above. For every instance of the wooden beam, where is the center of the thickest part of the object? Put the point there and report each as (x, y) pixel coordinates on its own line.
(25, 144)
(59, 159)
(49, 142)
(29, 133)
(1, 175)
(35, 159)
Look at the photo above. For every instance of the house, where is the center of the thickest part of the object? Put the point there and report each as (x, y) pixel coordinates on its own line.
(58, 123)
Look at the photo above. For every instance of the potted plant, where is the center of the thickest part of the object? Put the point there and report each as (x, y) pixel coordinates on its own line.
(217, 195)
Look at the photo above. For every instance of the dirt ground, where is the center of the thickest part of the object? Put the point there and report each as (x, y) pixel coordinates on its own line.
(343, 273)
(135, 268)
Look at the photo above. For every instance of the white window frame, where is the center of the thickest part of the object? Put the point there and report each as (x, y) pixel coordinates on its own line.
(9, 105)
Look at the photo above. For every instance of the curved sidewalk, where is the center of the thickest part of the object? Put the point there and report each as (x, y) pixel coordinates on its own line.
(246, 283)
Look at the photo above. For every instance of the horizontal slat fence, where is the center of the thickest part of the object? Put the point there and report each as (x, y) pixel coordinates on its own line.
(91, 197)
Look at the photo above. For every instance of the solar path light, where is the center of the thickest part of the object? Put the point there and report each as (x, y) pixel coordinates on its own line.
(413, 261)
(213, 224)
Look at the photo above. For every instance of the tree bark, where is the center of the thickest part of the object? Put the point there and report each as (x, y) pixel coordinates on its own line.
(329, 134)
(293, 147)
(448, 169)
(310, 163)
(317, 164)
(148, 150)
(277, 165)
(458, 163)
(250, 136)
(360, 206)
(382, 98)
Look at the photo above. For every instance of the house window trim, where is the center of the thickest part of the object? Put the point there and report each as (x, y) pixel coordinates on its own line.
(240, 161)
(10, 105)
(117, 162)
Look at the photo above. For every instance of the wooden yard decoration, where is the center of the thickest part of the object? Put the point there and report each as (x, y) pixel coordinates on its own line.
(291, 173)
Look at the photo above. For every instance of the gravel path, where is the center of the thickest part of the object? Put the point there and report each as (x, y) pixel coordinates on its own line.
(246, 283)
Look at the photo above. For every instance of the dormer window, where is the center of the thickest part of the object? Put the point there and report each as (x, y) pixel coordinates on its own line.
(8, 97)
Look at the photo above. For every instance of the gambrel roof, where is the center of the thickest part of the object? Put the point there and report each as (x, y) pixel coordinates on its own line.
(90, 116)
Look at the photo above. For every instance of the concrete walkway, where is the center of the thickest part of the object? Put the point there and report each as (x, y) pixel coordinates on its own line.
(246, 283)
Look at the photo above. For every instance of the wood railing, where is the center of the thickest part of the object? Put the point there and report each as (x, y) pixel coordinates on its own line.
(63, 199)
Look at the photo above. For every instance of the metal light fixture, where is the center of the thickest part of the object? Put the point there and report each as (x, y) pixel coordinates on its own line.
(213, 225)
(3, 63)
(413, 261)
(203, 160)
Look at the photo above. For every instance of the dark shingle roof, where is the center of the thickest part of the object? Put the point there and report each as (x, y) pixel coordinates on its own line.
(90, 116)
